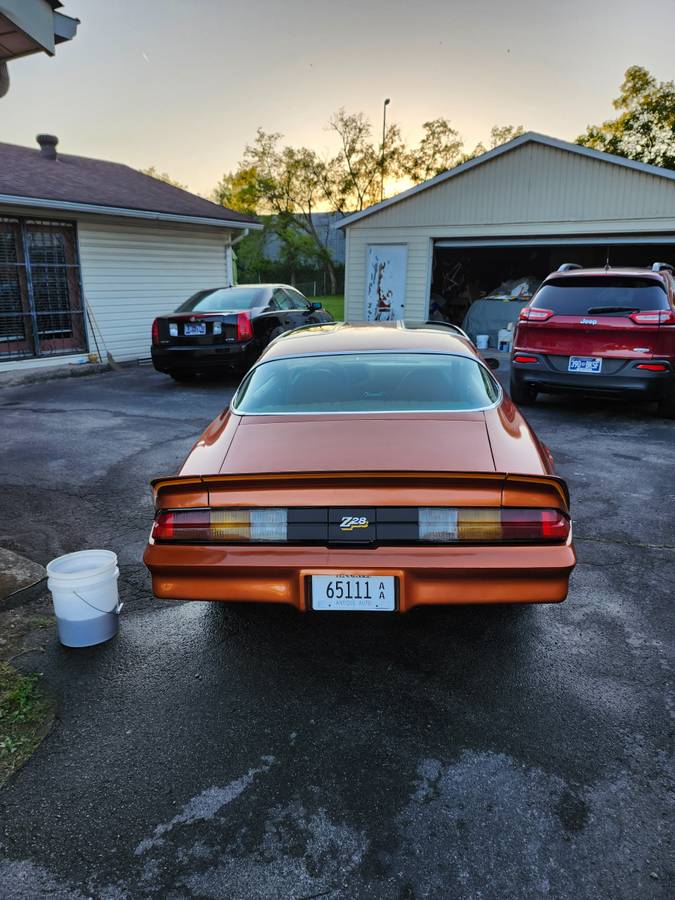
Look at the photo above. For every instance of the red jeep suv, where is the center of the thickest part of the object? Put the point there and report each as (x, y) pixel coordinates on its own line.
(607, 330)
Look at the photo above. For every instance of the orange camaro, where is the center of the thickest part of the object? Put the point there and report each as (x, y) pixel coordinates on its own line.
(365, 467)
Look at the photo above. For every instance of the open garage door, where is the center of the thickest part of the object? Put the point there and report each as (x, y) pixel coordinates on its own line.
(466, 270)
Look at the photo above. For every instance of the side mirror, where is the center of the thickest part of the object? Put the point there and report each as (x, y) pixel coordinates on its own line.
(314, 305)
(491, 363)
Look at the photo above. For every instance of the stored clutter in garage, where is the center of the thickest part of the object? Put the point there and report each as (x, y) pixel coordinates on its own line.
(498, 224)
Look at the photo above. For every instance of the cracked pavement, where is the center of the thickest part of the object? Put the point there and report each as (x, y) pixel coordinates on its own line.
(257, 753)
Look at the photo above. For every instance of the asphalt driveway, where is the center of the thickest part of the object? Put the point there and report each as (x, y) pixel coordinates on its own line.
(464, 753)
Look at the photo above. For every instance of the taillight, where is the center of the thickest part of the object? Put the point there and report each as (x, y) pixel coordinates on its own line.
(533, 314)
(155, 332)
(244, 330)
(448, 525)
(221, 525)
(522, 358)
(653, 317)
(652, 367)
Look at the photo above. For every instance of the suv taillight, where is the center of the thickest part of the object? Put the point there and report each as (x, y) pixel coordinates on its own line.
(532, 314)
(155, 332)
(244, 330)
(653, 317)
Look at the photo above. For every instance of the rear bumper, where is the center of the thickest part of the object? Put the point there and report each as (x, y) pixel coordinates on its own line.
(204, 359)
(426, 575)
(626, 380)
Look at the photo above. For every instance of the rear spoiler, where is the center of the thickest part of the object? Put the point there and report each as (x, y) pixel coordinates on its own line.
(190, 491)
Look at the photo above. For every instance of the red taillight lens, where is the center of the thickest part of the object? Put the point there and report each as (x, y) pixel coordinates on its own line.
(652, 367)
(531, 314)
(653, 317)
(244, 330)
(521, 358)
(534, 525)
(155, 332)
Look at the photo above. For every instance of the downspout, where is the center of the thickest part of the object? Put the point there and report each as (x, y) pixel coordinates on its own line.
(229, 261)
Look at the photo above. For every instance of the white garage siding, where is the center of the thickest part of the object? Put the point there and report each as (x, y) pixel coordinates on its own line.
(132, 273)
(419, 247)
(534, 186)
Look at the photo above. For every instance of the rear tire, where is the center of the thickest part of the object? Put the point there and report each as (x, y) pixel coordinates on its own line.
(276, 333)
(522, 394)
(666, 405)
(183, 376)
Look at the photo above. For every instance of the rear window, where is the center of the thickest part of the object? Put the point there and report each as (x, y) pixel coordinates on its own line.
(366, 382)
(612, 294)
(217, 299)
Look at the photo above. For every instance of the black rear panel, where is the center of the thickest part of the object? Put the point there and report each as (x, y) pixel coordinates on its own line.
(197, 331)
(353, 525)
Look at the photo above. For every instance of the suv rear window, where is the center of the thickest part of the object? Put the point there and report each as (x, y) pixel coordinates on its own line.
(615, 295)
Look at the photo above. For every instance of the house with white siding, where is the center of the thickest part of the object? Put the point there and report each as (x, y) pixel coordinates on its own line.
(91, 251)
(518, 211)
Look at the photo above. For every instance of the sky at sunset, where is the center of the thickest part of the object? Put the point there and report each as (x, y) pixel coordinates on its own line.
(184, 85)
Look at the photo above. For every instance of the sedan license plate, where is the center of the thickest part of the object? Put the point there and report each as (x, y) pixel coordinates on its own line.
(361, 593)
(191, 330)
(585, 365)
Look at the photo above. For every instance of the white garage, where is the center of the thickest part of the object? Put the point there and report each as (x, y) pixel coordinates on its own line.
(501, 221)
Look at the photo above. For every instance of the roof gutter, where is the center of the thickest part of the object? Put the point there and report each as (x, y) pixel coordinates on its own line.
(67, 206)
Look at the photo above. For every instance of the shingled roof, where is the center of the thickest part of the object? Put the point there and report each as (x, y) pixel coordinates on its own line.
(27, 173)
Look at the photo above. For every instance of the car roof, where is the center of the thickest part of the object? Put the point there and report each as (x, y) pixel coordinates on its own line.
(630, 271)
(266, 286)
(360, 337)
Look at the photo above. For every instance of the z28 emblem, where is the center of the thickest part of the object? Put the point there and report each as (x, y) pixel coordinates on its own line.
(349, 523)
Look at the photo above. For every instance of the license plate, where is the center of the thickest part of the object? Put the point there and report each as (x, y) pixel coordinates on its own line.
(354, 593)
(191, 330)
(585, 365)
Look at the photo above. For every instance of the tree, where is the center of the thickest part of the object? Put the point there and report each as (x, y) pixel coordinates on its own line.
(439, 150)
(501, 134)
(289, 184)
(645, 128)
(353, 178)
(163, 176)
(239, 190)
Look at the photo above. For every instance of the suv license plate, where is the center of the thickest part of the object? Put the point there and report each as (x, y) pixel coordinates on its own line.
(354, 593)
(585, 365)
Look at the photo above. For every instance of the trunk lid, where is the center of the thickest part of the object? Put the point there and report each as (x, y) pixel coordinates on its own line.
(197, 329)
(455, 442)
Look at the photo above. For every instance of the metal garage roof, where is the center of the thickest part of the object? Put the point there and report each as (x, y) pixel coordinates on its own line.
(529, 137)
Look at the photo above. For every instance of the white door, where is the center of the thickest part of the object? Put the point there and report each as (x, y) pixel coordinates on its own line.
(385, 282)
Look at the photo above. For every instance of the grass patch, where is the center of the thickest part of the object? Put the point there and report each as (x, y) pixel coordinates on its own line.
(334, 303)
(24, 712)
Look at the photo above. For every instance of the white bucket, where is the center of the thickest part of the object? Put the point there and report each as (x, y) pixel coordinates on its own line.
(84, 591)
(482, 341)
(504, 339)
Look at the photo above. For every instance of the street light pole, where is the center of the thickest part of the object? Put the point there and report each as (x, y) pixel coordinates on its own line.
(384, 134)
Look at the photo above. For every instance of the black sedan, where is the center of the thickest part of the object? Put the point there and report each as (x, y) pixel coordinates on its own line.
(227, 328)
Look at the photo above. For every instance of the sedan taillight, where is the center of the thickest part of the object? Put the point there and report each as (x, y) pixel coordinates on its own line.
(244, 329)
(533, 314)
(221, 525)
(653, 317)
(155, 332)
